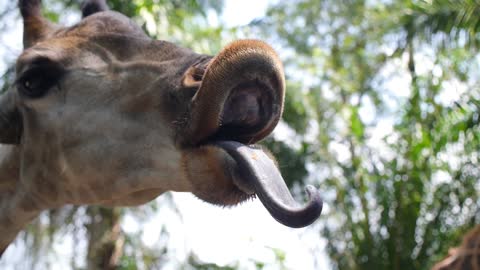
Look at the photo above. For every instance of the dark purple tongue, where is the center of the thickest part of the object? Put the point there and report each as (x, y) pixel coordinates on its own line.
(259, 175)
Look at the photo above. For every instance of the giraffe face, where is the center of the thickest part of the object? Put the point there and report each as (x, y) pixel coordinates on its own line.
(103, 114)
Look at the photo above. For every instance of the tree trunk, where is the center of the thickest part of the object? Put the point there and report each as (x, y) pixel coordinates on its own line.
(105, 238)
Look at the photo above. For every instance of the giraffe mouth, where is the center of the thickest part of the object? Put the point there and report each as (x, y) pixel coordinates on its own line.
(250, 114)
(238, 103)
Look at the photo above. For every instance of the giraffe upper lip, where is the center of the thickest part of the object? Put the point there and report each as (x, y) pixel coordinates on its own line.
(240, 96)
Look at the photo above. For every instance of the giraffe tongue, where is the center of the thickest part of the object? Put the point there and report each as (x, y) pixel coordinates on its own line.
(259, 175)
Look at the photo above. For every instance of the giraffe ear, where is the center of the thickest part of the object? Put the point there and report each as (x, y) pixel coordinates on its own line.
(192, 78)
(10, 120)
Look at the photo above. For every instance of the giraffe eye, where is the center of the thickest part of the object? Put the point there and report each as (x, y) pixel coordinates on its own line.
(39, 79)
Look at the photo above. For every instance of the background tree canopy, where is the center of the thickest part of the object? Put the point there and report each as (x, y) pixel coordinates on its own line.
(382, 112)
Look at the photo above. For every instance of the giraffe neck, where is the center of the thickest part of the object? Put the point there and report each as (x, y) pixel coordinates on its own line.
(16, 209)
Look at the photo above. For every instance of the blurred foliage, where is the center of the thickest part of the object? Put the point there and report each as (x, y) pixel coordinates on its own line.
(383, 111)
(393, 137)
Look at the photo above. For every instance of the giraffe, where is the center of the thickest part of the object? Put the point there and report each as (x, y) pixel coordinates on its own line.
(101, 114)
(464, 257)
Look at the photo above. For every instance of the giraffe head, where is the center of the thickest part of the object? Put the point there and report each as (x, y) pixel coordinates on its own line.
(103, 114)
